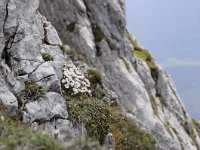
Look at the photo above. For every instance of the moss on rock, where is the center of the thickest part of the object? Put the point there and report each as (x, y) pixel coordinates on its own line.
(143, 54)
(32, 90)
(47, 57)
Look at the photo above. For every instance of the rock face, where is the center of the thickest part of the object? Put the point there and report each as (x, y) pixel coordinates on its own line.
(99, 34)
(28, 81)
(97, 30)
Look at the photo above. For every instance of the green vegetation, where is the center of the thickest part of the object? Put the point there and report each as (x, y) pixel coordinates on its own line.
(98, 34)
(99, 93)
(71, 27)
(145, 55)
(73, 55)
(33, 91)
(15, 135)
(100, 119)
(94, 76)
(47, 57)
(154, 105)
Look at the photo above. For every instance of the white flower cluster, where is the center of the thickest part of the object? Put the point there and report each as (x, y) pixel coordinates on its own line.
(73, 79)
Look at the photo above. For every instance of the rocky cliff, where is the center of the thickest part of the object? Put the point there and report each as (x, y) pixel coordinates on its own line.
(88, 60)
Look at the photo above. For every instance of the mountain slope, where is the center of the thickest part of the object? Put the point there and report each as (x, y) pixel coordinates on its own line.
(35, 65)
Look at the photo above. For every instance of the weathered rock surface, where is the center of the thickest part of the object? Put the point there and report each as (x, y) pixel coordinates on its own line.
(24, 36)
(97, 30)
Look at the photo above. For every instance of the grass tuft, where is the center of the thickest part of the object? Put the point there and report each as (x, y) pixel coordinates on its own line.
(47, 57)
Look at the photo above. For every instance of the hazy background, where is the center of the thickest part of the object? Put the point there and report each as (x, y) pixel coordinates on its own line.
(170, 29)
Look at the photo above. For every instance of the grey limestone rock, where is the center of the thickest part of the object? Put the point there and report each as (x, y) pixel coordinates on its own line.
(97, 31)
(50, 106)
(7, 97)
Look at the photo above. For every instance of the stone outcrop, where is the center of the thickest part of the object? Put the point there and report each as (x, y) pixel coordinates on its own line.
(99, 34)
(97, 30)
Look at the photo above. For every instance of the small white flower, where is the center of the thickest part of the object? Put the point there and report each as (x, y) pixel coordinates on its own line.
(73, 78)
(66, 86)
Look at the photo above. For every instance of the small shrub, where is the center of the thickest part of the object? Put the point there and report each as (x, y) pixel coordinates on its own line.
(33, 91)
(98, 34)
(47, 57)
(92, 113)
(100, 119)
(94, 76)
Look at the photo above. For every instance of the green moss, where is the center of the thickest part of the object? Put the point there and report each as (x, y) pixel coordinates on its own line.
(47, 57)
(33, 91)
(98, 34)
(16, 135)
(100, 119)
(142, 53)
(94, 76)
(73, 55)
(71, 27)
(154, 105)
(146, 56)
